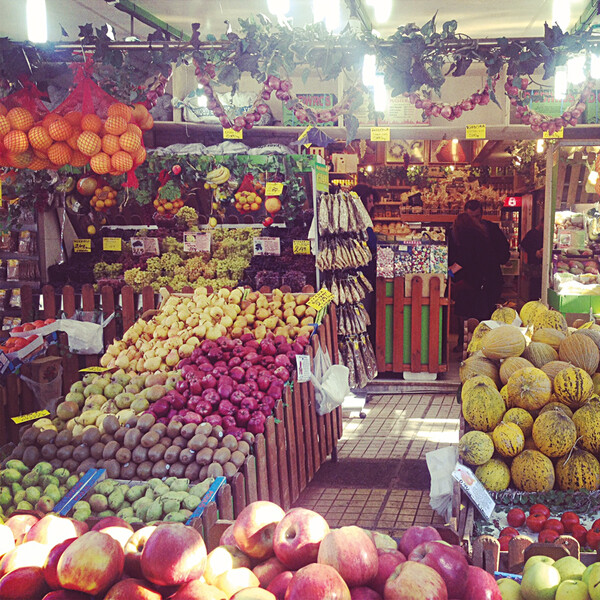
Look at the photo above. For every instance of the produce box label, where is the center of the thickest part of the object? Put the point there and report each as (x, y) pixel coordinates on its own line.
(380, 134)
(475, 132)
(141, 246)
(303, 367)
(231, 134)
(273, 188)
(322, 178)
(30, 416)
(474, 489)
(83, 245)
(301, 246)
(321, 299)
(217, 484)
(111, 244)
(267, 246)
(196, 241)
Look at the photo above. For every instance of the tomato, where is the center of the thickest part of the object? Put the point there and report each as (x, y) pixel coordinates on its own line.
(579, 532)
(540, 509)
(20, 343)
(509, 532)
(596, 525)
(547, 535)
(556, 525)
(516, 517)
(18, 329)
(536, 522)
(49, 321)
(569, 520)
(39, 323)
(31, 338)
(28, 327)
(592, 539)
(504, 541)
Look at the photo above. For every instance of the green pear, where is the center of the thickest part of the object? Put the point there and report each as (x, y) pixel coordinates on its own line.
(589, 570)
(124, 400)
(101, 381)
(112, 390)
(572, 589)
(91, 390)
(569, 568)
(87, 379)
(509, 589)
(76, 397)
(121, 377)
(78, 387)
(540, 582)
(532, 560)
(133, 389)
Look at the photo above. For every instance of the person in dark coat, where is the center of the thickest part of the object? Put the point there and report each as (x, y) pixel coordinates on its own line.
(532, 245)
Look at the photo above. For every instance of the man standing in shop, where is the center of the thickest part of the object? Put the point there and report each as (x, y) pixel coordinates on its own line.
(500, 249)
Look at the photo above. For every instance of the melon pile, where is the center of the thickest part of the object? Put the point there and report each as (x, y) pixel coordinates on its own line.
(110, 146)
(530, 402)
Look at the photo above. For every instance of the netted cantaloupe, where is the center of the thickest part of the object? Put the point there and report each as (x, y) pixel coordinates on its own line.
(502, 342)
(580, 351)
(529, 388)
(530, 310)
(573, 387)
(482, 407)
(553, 368)
(510, 366)
(578, 470)
(559, 405)
(494, 475)
(478, 365)
(587, 422)
(508, 439)
(504, 314)
(532, 471)
(475, 448)
(552, 337)
(477, 337)
(538, 354)
(554, 433)
(550, 319)
(520, 417)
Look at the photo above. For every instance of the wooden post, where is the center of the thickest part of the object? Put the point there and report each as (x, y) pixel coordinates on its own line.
(415, 324)
(225, 502)
(272, 468)
(251, 481)
(380, 324)
(302, 454)
(282, 458)
(128, 307)
(434, 324)
(292, 449)
(262, 472)
(398, 325)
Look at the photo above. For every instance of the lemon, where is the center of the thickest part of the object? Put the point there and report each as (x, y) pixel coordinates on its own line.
(91, 230)
(212, 222)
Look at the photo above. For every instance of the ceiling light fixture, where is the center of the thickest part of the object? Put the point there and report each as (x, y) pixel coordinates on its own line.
(576, 69)
(37, 28)
(541, 144)
(375, 82)
(382, 9)
(593, 177)
(560, 83)
(561, 14)
(279, 8)
(328, 11)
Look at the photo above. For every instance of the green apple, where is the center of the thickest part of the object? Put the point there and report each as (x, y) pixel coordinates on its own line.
(593, 582)
(540, 582)
(572, 589)
(509, 589)
(588, 572)
(532, 560)
(569, 568)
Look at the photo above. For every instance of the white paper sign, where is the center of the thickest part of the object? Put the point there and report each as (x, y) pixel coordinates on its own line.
(196, 241)
(303, 367)
(474, 489)
(266, 245)
(144, 245)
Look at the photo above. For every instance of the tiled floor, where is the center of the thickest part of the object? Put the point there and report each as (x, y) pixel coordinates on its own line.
(381, 480)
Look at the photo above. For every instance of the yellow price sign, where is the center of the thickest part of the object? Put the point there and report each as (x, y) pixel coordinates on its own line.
(231, 134)
(82, 245)
(558, 134)
(475, 132)
(321, 299)
(380, 134)
(94, 370)
(30, 416)
(305, 133)
(273, 188)
(301, 246)
(111, 244)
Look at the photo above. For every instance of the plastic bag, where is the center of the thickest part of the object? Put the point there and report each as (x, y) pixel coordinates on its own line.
(330, 381)
(48, 393)
(85, 337)
(441, 463)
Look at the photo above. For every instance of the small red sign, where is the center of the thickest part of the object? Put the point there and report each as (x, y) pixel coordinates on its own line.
(513, 201)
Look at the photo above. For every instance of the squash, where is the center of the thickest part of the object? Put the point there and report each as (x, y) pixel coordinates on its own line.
(494, 475)
(529, 388)
(573, 387)
(530, 310)
(552, 337)
(581, 351)
(520, 417)
(508, 439)
(477, 337)
(478, 365)
(504, 394)
(474, 381)
(475, 448)
(502, 342)
(504, 314)
(554, 433)
(550, 319)
(587, 422)
(482, 407)
(510, 365)
(538, 354)
(596, 381)
(554, 367)
(531, 471)
(578, 470)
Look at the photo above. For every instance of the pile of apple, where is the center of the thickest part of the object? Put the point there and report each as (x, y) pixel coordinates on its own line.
(266, 554)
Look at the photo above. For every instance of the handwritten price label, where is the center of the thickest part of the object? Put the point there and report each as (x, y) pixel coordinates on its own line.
(322, 178)
(30, 416)
(380, 134)
(111, 244)
(301, 246)
(475, 132)
(84, 245)
(321, 299)
(273, 188)
(232, 134)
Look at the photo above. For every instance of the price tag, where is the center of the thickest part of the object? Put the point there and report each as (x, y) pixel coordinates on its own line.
(556, 135)
(303, 367)
(196, 241)
(84, 245)
(475, 132)
(273, 188)
(30, 416)
(305, 133)
(94, 370)
(380, 134)
(321, 299)
(322, 178)
(474, 490)
(232, 134)
(111, 244)
(301, 246)
(267, 246)
(141, 246)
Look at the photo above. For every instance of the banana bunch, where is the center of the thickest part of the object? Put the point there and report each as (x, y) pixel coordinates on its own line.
(218, 176)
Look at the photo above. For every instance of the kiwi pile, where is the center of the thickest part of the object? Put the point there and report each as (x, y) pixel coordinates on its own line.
(140, 450)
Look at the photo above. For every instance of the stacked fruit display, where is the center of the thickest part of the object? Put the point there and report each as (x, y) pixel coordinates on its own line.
(267, 554)
(531, 406)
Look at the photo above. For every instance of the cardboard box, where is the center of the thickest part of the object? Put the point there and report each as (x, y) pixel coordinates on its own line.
(45, 369)
(345, 163)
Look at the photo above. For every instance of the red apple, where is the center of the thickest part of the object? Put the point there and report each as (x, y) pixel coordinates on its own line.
(540, 509)
(516, 517)
(547, 536)
(119, 533)
(53, 530)
(111, 522)
(278, 587)
(388, 560)
(350, 551)
(481, 585)
(52, 562)
(132, 589)
(415, 581)
(254, 528)
(198, 590)
(449, 561)
(133, 550)
(569, 520)
(504, 541)
(66, 595)
(91, 564)
(579, 532)
(317, 581)
(268, 570)
(20, 525)
(7, 540)
(364, 593)
(227, 538)
(29, 554)
(298, 536)
(253, 594)
(510, 532)
(173, 555)
(415, 535)
(225, 558)
(383, 541)
(536, 522)
(556, 525)
(237, 579)
(23, 583)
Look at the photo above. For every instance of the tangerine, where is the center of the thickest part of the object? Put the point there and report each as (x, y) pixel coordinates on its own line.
(39, 138)
(118, 109)
(147, 123)
(20, 118)
(115, 125)
(140, 156)
(110, 143)
(79, 160)
(60, 130)
(100, 163)
(89, 143)
(140, 112)
(16, 141)
(60, 153)
(91, 122)
(130, 142)
(72, 141)
(74, 118)
(134, 129)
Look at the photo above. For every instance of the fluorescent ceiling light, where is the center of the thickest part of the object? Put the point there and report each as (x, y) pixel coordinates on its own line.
(560, 83)
(279, 7)
(595, 66)
(380, 95)
(382, 9)
(37, 29)
(576, 69)
(369, 70)
(541, 144)
(593, 177)
(328, 11)
(561, 14)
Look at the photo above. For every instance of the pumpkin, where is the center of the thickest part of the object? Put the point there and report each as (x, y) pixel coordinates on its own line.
(578, 470)
(508, 439)
(554, 367)
(478, 365)
(475, 448)
(494, 475)
(520, 417)
(552, 337)
(531, 471)
(482, 407)
(550, 319)
(529, 388)
(587, 422)
(552, 405)
(573, 387)
(502, 342)
(477, 337)
(581, 351)
(504, 314)
(538, 354)
(510, 365)
(530, 310)
(554, 433)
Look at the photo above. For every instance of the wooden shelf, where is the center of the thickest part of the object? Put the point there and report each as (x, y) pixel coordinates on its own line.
(427, 218)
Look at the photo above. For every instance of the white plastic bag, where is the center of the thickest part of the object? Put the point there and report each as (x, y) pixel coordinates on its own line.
(330, 381)
(85, 337)
(441, 463)
(48, 393)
